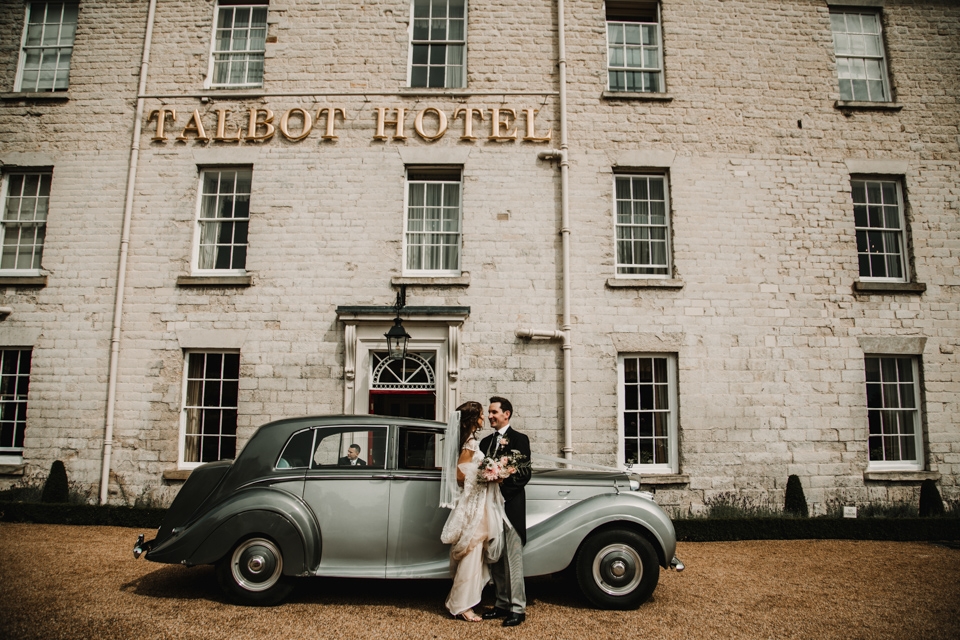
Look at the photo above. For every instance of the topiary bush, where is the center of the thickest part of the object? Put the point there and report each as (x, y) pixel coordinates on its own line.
(56, 489)
(795, 504)
(930, 502)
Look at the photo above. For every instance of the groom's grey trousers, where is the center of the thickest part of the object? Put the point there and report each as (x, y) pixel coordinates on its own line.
(507, 573)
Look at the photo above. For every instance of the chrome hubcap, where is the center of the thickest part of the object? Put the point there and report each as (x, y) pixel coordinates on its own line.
(256, 564)
(617, 569)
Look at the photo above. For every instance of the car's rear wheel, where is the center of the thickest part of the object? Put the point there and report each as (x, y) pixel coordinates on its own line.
(617, 569)
(252, 573)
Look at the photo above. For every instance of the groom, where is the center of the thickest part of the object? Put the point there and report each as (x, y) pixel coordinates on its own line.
(507, 572)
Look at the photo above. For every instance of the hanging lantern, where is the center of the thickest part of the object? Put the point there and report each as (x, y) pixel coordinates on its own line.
(397, 337)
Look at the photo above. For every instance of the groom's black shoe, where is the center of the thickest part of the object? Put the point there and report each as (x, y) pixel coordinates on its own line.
(495, 612)
(513, 619)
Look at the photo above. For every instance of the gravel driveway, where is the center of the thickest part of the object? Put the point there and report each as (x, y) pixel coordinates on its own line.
(82, 582)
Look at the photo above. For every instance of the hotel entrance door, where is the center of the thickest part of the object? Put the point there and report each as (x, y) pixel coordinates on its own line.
(403, 388)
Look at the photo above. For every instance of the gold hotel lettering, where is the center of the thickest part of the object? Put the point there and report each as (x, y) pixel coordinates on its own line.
(504, 123)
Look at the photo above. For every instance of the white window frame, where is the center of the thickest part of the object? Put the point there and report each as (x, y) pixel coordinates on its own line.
(408, 234)
(15, 398)
(65, 31)
(671, 465)
(210, 82)
(620, 268)
(21, 223)
(644, 29)
(182, 462)
(198, 236)
(447, 43)
(913, 414)
(859, 55)
(866, 235)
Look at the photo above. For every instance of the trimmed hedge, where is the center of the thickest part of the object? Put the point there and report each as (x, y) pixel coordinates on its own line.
(692, 530)
(56, 489)
(717, 530)
(795, 504)
(85, 514)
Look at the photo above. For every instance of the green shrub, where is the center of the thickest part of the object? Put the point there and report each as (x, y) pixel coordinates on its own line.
(730, 505)
(930, 502)
(886, 510)
(86, 514)
(56, 489)
(23, 491)
(794, 502)
(715, 530)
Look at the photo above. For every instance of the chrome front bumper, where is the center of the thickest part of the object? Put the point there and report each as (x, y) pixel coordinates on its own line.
(674, 564)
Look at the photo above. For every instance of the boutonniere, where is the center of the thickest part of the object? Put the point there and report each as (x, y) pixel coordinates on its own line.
(504, 442)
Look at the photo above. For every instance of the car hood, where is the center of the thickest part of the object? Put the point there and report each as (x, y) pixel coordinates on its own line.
(579, 477)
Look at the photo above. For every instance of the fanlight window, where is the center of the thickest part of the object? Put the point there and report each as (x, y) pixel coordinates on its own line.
(415, 372)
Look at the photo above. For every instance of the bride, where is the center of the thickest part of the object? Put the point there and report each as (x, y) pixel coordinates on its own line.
(474, 528)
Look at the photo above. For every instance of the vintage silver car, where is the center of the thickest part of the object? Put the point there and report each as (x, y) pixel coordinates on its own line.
(298, 502)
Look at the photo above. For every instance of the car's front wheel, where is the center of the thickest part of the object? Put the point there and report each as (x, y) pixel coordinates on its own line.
(252, 573)
(617, 569)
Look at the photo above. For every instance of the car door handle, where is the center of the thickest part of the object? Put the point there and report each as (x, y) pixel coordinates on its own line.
(563, 492)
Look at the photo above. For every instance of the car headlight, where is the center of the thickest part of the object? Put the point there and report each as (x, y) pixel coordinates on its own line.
(634, 485)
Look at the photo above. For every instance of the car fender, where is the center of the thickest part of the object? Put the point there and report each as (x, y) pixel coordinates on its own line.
(552, 544)
(274, 513)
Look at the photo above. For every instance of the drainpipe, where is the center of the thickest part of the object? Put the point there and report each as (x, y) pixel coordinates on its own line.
(564, 334)
(122, 260)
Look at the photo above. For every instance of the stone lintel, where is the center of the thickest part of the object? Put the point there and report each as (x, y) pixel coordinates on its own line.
(893, 345)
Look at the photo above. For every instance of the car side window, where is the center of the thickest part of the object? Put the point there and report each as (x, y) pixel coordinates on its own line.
(350, 449)
(296, 455)
(420, 449)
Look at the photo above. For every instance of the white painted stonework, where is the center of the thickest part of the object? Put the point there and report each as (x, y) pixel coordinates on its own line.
(760, 308)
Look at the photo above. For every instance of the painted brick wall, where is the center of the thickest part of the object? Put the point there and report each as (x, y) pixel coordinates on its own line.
(766, 326)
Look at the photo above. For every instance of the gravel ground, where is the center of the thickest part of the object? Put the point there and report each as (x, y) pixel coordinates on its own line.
(82, 582)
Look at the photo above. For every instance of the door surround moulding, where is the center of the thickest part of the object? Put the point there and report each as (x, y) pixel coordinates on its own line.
(430, 328)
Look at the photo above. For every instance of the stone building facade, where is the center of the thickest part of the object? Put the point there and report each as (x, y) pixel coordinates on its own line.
(715, 241)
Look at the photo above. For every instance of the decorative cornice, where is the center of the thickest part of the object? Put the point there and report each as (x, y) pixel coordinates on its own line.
(363, 313)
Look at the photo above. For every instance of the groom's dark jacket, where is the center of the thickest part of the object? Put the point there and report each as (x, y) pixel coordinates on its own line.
(514, 496)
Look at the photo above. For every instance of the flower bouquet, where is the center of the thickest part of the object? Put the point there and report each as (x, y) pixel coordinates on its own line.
(495, 468)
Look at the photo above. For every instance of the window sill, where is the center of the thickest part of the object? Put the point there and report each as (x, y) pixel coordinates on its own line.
(901, 476)
(636, 95)
(651, 283)
(463, 280)
(177, 474)
(662, 479)
(23, 281)
(863, 105)
(249, 93)
(867, 288)
(35, 96)
(12, 469)
(214, 281)
(432, 91)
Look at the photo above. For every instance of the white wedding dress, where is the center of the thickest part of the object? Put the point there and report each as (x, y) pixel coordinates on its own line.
(474, 530)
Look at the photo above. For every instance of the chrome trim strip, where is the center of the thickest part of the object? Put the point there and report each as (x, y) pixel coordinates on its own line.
(402, 476)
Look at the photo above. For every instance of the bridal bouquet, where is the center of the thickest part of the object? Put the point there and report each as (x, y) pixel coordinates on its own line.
(501, 467)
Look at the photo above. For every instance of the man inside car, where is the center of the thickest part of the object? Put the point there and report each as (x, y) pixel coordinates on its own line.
(352, 459)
